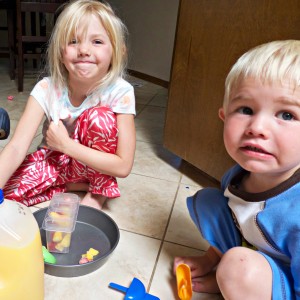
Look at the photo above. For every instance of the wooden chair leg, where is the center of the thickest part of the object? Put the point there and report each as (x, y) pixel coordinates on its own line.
(20, 67)
(20, 72)
(20, 58)
(11, 42)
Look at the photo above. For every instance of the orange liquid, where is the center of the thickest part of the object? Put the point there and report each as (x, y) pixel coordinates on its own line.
(22, 272)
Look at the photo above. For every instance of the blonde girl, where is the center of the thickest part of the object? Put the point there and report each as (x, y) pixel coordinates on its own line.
(88, 133)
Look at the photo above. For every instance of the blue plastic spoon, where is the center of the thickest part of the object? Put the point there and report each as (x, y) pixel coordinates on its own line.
(136, 291)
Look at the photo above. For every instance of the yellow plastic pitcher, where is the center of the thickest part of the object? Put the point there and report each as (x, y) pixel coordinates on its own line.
(21, 258)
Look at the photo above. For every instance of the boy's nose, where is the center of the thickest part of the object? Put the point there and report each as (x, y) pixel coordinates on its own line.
(258, 126)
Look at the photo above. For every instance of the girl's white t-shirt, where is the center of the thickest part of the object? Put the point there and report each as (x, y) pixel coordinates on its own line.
(119, 97)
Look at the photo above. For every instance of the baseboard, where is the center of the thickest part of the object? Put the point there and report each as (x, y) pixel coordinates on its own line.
(149, 78)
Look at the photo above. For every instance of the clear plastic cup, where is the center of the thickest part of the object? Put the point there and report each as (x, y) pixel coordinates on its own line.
(60, 221)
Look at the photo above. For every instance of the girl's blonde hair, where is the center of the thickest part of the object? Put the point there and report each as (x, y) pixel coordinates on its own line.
(273, 62)
(66, 27)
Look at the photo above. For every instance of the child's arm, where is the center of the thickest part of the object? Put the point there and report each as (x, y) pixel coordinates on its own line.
(117, 165)
(16, 149)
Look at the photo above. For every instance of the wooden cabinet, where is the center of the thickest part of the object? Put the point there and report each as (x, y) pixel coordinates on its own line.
(211, 35)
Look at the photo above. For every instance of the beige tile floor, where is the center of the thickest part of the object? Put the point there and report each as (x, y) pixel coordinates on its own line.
(151, 213)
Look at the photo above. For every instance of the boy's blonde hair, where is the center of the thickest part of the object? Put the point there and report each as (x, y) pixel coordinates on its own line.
(66, 28)
(273, 62)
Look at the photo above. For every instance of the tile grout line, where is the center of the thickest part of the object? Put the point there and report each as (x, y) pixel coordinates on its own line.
(162, 240)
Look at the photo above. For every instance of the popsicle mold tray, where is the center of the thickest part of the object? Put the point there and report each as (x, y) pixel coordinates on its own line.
(60, 221)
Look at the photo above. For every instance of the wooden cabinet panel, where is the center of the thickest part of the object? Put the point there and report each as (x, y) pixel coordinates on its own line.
(211, 35)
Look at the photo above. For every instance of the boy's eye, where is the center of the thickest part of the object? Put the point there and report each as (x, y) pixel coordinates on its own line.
(285, 116)
(245, 111)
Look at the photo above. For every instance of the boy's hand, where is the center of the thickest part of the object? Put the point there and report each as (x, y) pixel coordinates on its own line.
(57, 136)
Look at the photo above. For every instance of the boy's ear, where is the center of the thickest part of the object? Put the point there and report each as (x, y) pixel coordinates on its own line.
(222, 114)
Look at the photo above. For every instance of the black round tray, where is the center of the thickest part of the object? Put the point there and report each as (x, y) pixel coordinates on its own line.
(94, 229)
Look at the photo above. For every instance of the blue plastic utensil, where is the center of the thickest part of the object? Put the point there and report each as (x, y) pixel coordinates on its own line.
(136, 291)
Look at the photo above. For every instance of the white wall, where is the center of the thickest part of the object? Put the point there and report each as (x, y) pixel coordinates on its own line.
(151, 25)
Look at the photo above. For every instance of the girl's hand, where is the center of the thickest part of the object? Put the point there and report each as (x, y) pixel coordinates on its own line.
(57, 136)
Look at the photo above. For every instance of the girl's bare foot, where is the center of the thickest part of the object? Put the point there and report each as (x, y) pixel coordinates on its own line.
(93, 200)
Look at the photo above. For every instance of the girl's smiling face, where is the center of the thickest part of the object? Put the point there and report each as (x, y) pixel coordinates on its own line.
(88, 55)
(262, 128)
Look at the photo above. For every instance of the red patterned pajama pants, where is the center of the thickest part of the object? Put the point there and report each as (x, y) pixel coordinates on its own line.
(46, 172)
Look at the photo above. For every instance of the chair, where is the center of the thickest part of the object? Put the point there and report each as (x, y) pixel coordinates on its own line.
(35, 20)
(9, 50)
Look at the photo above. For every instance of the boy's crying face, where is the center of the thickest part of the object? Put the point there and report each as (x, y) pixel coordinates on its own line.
(262, 127)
